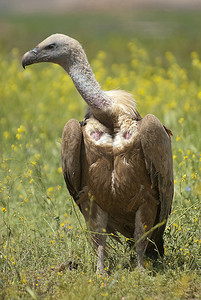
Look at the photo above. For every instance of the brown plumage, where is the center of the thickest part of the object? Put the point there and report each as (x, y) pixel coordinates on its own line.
(116, 164)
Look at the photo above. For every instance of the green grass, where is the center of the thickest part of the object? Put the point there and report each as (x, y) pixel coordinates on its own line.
(40, 228)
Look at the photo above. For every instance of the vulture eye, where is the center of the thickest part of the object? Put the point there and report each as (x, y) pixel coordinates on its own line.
(50, 47)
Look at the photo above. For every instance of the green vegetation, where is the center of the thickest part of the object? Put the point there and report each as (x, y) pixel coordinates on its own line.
(45, 252)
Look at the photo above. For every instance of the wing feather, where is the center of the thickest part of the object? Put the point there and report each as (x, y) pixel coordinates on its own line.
(70, 153)
(156, 146)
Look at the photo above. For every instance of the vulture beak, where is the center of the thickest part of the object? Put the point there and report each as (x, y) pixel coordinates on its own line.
(30, 57)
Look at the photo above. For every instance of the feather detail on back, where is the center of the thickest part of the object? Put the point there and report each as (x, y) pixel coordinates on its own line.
(123, 103)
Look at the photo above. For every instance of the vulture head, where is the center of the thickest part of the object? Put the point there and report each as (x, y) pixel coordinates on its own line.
(57, 48)
(69, 54)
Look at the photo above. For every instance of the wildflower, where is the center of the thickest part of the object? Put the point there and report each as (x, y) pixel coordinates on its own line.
(31, 181)
(18, 136)
(12, 259)
(189, 152)
(188, 189)
(181, 120)
(184, 178)
(4, 209)
(14, 147)
(193, 175)
(59, 170)
(6, 134)
(49, 190)
(21, 129)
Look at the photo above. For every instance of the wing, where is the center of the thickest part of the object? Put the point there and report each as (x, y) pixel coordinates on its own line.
(70, 153)
(156, 146)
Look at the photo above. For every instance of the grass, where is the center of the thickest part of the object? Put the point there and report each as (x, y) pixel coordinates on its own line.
(45, 251)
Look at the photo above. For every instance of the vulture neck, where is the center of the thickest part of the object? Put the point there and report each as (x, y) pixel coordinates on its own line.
(86, 83)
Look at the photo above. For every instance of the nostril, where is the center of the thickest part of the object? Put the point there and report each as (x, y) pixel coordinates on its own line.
(35, 50)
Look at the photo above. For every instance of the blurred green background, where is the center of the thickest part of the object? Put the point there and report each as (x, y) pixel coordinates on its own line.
(158, 31)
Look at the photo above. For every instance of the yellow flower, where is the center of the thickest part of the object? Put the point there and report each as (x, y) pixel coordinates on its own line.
(14, 147)
(193, 175)
(21, 129)
(189, 152)
(18, 136)
(59, 170)
(49, 190)
(184, 178)
(181, 120)
(4, 209)
(199, 95)
(6, 134)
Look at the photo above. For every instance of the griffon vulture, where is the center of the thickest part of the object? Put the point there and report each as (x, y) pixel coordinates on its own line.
(117, 165)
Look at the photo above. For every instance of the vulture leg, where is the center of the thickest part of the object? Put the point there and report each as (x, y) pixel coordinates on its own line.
(143, 214)
(96, 220)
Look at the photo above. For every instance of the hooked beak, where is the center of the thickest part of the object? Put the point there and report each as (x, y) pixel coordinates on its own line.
(30, 57)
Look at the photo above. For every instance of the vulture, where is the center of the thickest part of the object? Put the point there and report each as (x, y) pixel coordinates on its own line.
(117, 165)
